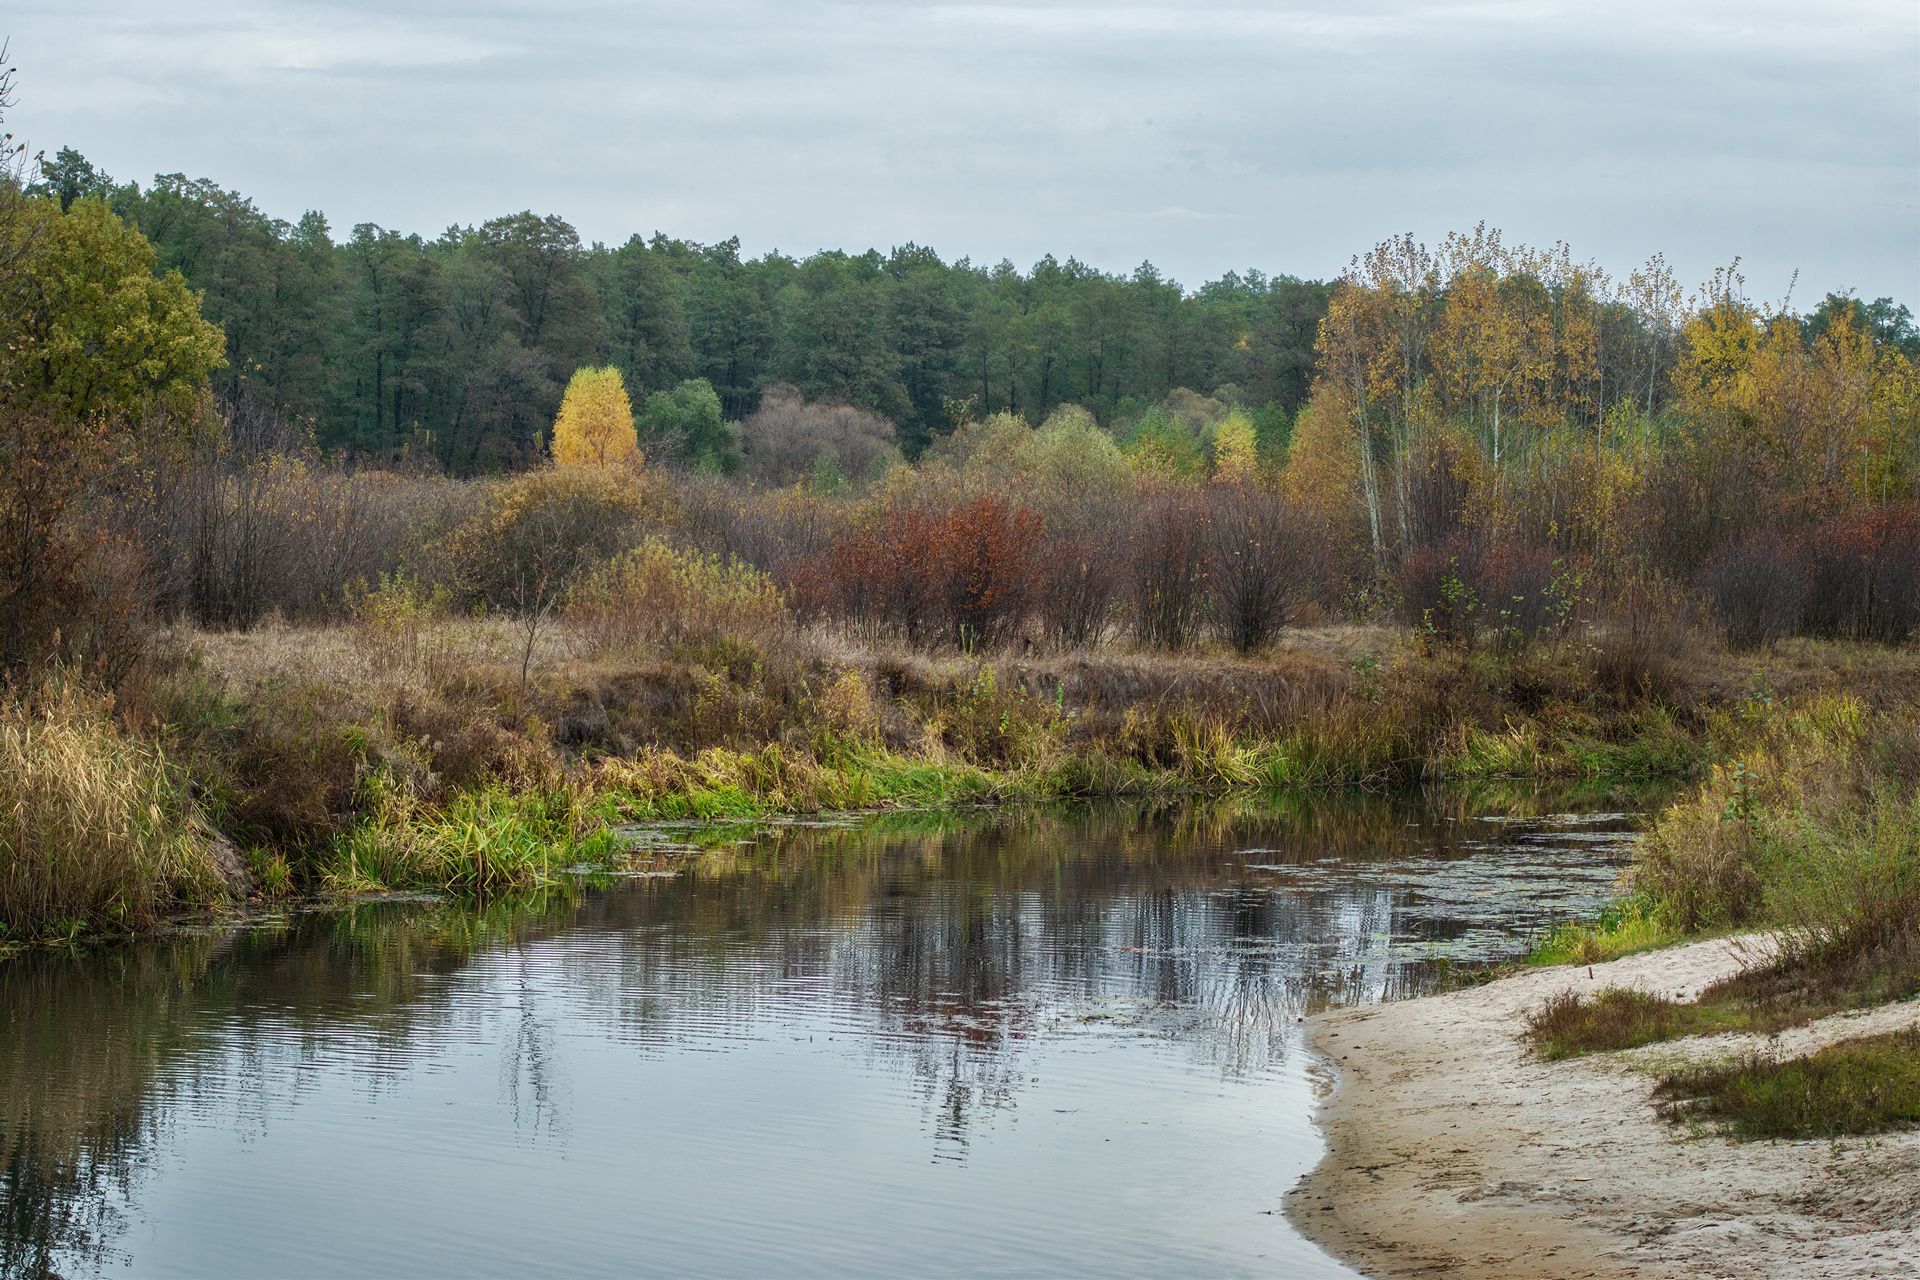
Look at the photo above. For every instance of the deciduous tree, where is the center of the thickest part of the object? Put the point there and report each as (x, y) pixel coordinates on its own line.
(595, 423)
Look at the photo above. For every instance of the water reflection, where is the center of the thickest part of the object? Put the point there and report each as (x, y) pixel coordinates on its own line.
(826, 1012)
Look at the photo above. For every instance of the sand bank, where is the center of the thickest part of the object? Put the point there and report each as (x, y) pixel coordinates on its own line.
(1454, 1152)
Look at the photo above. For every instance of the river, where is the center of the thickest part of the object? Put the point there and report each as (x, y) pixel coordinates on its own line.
(1035, 1041)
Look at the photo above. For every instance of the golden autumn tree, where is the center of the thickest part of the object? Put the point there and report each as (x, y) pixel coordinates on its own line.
(1236, 458)
(1493, 347)
(595, 424)
(1890, 453)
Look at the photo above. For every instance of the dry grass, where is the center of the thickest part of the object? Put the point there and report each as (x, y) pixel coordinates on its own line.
(94, 831)
(286, 730)
(417, 655)
(656, 599)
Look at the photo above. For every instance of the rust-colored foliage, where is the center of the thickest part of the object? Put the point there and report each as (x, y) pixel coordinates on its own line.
(1863, 575)
(965, 575)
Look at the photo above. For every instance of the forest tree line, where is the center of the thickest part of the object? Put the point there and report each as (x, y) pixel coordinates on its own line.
(460, 345)
(1477, 437)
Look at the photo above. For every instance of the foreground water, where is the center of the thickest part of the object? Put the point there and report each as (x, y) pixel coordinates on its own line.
(1036, 1042)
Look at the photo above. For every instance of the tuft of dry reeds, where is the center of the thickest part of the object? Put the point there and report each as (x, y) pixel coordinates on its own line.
(95, 832)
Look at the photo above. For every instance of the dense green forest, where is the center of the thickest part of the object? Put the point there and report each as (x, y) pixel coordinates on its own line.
(461, 344)
(458, 347)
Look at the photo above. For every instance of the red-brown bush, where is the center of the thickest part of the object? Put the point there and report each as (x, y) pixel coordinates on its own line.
(1077, 579)
(1863, 575)
(1435, 590)
(1436, 493)
(1260, 564)
(965, 575)
(1519, 597)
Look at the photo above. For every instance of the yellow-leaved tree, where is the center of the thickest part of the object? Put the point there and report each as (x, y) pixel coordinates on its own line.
(1236, 458)
(595, 424)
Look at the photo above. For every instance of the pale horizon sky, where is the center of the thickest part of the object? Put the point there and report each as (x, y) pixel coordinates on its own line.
(1203, 136)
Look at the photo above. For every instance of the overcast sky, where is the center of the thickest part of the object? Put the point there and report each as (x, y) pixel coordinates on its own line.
(1203, 136)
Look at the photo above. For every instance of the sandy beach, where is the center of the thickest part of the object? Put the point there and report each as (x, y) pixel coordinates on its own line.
(1451, 1151)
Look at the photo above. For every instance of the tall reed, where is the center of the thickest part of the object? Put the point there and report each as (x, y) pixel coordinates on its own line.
(94, 829)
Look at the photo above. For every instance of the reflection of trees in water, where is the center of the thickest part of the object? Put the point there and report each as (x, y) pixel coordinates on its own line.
(949, 942)
(56, 1198)
(100, 1056)
(947, 945)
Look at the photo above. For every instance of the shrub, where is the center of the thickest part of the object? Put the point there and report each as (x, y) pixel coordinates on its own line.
(1523, 593)
(1259, 563)
(656, 596)
(538, 531)
(1756, 588)
(778, 530)
(1811, 826)
(786, 440)
(1077, 579)
(965, 575)
(1648, 621)
(1167, 564)
(1699, 860)
(47, 462)
(1863, 575)
(983, 559)
(1437, 484)
(281, 769)
(1069, 469)
(1160, 448)
(94, 828)
(241, 528)
(1434, 587)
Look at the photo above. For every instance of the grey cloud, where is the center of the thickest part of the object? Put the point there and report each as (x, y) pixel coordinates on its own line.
(1203, 136)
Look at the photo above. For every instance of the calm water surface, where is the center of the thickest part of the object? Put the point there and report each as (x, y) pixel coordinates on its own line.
(1037, 1042)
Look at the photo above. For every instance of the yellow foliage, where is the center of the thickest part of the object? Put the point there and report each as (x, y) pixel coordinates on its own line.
(1235, 450)
(1826, 417)
(595, 423)
(1322, 479)
(1717, 349)
(1890, 453)
(656, 595)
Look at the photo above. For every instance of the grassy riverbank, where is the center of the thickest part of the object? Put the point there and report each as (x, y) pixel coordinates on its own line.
(1807, 829)
(419, 756)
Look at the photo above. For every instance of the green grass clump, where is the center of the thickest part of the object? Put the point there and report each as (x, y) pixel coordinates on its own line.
(1858, 1086)
(1632, 925)
(481, 843)
(1809, 828)
(95, 830)
(1616, 1018)
(1792, 989)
